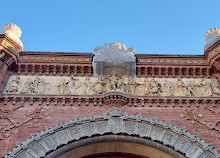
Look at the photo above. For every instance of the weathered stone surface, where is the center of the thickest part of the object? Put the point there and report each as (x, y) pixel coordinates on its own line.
(114, 57)
(13, 31)
(48, 85)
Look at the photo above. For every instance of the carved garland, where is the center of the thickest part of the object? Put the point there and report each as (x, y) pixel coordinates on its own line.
(116, 122)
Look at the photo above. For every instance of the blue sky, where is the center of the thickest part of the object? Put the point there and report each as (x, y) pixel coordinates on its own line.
(150, 26)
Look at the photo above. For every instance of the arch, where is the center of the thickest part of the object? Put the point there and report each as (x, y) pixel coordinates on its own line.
(115, 144)
(162, 135)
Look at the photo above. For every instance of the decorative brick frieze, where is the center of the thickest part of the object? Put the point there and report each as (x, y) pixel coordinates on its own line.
(192, 70)
(111, 99)
(55, 70)
(173, 71)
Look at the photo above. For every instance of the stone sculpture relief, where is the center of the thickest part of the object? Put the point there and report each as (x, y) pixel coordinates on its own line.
(36, 86)
(13, 31)
(14, 85)
(215, 88)
(112, 82)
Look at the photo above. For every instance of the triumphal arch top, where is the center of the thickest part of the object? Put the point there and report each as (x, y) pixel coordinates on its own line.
(113, 103)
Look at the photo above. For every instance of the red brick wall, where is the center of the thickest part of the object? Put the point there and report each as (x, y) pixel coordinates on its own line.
(21, 121)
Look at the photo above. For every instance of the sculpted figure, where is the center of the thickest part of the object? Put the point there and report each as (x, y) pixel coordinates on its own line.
(131, 86)
(192, 88)
(28, 87)
(141, 87)
(73, 85)
(168, 89)
(205, 88)
(14, 85)
(110, 82)
(78, 88)
(153, 88)
(122, 83)
(63, 87)
(86, 86)
(39, 85)
(180, 88)
(215, 88)
(97, 87)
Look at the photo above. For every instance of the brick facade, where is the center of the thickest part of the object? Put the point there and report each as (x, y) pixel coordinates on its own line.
(21, 115)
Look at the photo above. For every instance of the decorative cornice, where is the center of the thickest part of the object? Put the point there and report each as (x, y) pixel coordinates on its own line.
(113, 122)
(108, 99)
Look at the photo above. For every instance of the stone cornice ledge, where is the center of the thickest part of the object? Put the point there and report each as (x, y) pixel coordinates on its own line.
(110, 99)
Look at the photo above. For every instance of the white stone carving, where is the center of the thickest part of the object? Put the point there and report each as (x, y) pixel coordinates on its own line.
(54, 85)
(114, 53)
(35, 86)
(181, 89)
(211, 33)
(114, 56)
(205, 88)
(168, 89)
(153, 88)
(212, 36)
(13, 31)
(97, 87)
(215, 88)
(14, 85)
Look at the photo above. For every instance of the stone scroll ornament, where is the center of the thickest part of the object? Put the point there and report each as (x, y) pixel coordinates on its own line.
(118, 123)
(114, 57)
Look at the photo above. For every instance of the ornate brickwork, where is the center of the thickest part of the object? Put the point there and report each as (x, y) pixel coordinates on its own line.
(114, 122)
(40, 89)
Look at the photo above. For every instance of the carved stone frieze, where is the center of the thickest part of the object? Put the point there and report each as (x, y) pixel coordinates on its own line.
(48, 85)
(113, 122)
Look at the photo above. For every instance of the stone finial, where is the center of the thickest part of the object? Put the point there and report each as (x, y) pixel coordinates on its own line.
(13, 32)
(212, 36)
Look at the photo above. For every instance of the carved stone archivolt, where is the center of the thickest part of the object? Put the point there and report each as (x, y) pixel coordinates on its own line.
(112, 83)
(113, 122)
